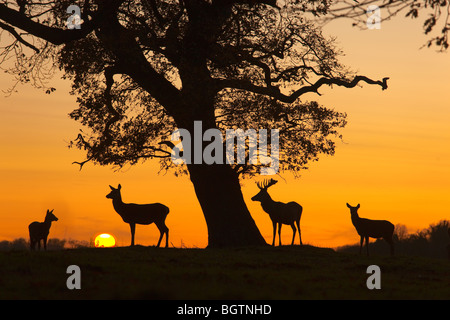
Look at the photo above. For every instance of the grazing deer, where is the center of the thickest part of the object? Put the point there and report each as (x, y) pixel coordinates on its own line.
(371, 228)
(279, 212)
(40, 230)
(133, 214)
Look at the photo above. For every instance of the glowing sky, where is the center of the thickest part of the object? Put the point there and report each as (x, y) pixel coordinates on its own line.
(394, 159)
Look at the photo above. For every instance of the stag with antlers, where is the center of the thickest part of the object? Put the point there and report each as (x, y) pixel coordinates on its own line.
(280, 213)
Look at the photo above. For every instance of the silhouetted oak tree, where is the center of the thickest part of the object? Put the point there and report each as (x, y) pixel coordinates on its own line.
(141, 69)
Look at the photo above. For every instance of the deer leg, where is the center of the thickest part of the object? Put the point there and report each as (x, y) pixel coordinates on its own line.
(274, 232)
(160, 237)
(133, 229)
(361, 243)
(293, 235)
(279, 233)
(167, 237)
(45, 243)
(161, 234)
(299, 232)
(367, 245)
(163, 230)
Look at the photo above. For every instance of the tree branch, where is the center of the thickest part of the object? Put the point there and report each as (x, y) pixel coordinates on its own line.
(86, 146)
(131, 61)
(116, 116)
(13, 32)
(158, 16)
(82, 163)
(54, 35)
(275, 92)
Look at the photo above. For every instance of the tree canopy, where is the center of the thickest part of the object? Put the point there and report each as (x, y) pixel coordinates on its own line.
(133, 63)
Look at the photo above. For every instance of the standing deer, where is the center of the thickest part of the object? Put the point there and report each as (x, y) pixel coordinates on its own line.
(133, 214)
(371, 228)
(40, 230)
(279, 212)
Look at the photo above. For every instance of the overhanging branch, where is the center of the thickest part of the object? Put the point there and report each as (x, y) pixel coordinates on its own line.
(276, 93)
(13, 32)
(53, 35)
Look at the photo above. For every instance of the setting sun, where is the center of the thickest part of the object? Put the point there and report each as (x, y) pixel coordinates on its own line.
(105, 240)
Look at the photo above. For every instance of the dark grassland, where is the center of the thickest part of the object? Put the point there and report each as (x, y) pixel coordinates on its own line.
(290, 272)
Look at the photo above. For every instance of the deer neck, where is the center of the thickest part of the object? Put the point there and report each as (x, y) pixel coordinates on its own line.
(47, 223)
(118, 204)
(355, 219)
(267, 203)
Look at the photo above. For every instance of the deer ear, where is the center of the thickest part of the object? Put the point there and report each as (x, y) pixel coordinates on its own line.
(112, 188)
(52, 211)
(357, 207)
(348, 205)
(119, 187)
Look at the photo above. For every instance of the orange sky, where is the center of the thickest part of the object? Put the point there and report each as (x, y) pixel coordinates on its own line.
(394, 160)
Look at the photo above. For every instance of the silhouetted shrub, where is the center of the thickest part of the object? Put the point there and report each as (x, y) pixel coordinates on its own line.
(52, 244)
(19, 244)
(55, 244)
(75, 244)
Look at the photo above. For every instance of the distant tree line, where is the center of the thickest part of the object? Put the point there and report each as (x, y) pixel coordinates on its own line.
(52, 244)
(430, 242)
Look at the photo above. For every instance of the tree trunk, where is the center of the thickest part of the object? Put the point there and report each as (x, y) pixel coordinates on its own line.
(228, 220)
(217, 186)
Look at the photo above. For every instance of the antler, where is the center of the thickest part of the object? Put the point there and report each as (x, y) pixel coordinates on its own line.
(271, 183)
(266, 184)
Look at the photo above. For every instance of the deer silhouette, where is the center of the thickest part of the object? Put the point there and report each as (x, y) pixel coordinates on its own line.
(40, 230)
(145, 214)
(280, 213)
(367, 228)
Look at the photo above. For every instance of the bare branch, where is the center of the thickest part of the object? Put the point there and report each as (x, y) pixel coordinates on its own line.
(12, 31)
(54, 35)
(82, 163)
(276, 93)
(86, 146)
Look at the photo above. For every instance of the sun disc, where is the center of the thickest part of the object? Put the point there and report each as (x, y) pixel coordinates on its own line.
(104, 240)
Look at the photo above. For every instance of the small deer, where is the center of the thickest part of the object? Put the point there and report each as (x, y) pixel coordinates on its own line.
(40, 230)
(280, 213)
(133, 214)
(371, 228)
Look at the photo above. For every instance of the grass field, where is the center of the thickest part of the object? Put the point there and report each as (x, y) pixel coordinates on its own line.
(240, 273)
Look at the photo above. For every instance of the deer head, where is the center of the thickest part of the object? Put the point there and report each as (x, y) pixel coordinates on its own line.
(49, 217)
(353, 210)
(262, 194)
(115, 193)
